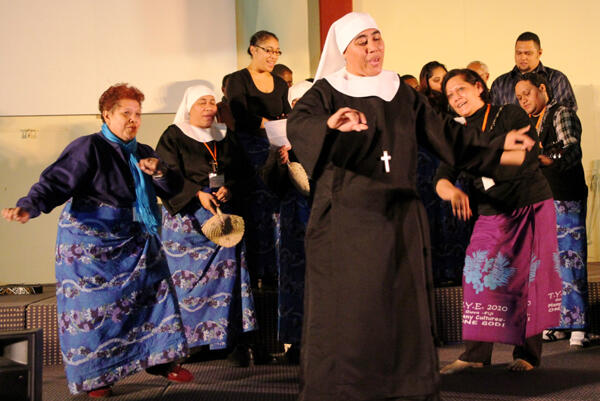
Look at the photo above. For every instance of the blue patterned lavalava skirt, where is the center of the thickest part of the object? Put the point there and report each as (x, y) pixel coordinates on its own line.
(117, 311)
(295, 210)
(572, 246)
(275, 229)
(449, 235)
(261, 214)
(211, 281)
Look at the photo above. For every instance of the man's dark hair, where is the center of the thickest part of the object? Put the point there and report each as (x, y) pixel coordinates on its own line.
(469, 76)
(536, 80)
(527, 36)
(279, 69)
(407, 76)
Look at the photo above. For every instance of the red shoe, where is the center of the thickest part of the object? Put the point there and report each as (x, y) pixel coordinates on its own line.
(100, 392)
(180, 375)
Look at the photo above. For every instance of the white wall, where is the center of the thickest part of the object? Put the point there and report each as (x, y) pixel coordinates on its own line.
(291, 21)
(455, 33)
(59, 55)
(415, 32)
(28, 249)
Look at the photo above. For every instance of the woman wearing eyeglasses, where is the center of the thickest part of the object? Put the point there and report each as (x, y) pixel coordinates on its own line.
(256, 96)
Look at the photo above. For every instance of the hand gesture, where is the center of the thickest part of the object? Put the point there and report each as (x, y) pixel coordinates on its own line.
(208, 201)
(347, 120)
(16, 214)
(545, 160)
(284, 157)
(151, 166)
(460, 205)
(222, 195)
(263, 121)
(518, 140)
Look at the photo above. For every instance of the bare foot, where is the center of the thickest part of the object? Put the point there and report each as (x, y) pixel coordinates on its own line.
(458, 366)
(520, 365)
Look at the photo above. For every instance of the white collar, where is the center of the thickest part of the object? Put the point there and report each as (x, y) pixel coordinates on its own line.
(216, 132)
(384, 85)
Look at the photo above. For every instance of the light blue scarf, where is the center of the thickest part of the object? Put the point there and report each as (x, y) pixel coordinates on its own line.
(145, 198)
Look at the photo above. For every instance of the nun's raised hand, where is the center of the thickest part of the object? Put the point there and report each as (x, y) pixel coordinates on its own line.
(16, 214)
(347, 120)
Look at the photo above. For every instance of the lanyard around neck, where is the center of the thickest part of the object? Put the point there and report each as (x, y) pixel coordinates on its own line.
(540, 117)
(485, 118)
(213, 153)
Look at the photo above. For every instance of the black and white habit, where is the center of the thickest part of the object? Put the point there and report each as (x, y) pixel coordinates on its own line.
(368, 321)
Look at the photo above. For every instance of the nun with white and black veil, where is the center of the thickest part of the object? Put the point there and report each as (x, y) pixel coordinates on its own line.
(367, 332)
(212, 282)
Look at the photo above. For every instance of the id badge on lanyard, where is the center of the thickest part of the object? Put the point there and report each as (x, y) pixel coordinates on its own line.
(215, 179)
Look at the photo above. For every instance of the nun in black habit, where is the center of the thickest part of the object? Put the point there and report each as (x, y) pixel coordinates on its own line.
(367, 331)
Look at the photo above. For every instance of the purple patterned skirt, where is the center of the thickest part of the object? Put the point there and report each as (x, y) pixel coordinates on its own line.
(511, 279)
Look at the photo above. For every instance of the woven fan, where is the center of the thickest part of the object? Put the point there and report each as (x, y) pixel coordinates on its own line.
(299, 177)
(224, 229)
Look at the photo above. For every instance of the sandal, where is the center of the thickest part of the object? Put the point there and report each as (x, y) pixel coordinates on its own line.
(100, 392)
(179, 375)
(553, 335)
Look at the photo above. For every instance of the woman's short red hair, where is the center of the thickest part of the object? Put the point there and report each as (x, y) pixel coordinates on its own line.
(112, 95)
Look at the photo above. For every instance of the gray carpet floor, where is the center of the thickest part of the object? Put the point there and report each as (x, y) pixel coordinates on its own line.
(565, 374)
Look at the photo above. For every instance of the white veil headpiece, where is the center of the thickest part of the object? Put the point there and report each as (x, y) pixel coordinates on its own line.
(216, 132)
(332, 65)
(298, 90)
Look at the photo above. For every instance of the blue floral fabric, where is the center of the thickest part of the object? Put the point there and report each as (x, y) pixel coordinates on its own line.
(261, 213)
(275, 232)
(117, 311)
(212, 282)
(449, 235)
(572, 245)
(491, 273)
(295, 210)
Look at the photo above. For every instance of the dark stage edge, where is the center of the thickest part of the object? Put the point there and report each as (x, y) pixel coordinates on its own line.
(565, 374)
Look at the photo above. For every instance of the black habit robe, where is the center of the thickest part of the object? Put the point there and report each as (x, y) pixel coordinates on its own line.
(368, 320)
(193, 160)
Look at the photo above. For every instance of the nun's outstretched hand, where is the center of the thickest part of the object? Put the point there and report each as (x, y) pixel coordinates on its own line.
(347, 120)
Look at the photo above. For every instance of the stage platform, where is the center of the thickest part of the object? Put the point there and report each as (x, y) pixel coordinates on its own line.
(564, 375)
(39, 311)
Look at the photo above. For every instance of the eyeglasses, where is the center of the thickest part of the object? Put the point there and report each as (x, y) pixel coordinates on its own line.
(270, 52)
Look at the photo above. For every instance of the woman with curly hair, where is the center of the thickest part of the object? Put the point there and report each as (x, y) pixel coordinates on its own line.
(117, 309)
